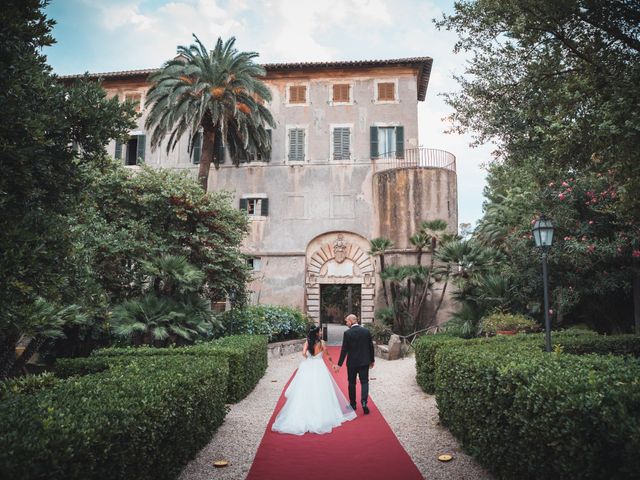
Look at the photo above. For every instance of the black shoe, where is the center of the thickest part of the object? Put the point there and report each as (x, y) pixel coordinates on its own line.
(365, 409)
(353, 405)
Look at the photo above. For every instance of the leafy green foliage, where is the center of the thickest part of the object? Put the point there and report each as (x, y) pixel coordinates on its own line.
(557, 415)
(27, 385)
(555, 87)
(43, 177)
(508, 321)
(246, 355)
(277, 322)
(142, 420)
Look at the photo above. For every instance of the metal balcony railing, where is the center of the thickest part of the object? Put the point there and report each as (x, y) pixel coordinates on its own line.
(414, 157)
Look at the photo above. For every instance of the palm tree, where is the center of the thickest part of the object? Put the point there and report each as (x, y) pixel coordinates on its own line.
(378, 248)
(218, 93)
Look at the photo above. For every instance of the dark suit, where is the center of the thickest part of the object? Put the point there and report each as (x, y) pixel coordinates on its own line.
(357, 347)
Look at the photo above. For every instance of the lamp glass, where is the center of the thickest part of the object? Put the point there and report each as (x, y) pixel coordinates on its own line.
(543, 232)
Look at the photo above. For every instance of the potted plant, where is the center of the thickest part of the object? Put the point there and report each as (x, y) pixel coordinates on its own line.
(507, 324)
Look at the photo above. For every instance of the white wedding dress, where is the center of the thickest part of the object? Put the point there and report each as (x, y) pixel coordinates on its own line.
(314, 403)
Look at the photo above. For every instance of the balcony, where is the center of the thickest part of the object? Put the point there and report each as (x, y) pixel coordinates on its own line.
(415, 157)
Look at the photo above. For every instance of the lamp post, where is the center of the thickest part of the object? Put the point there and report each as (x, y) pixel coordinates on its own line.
(543, 236)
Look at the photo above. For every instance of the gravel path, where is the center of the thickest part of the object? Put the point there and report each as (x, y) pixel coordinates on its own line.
(412, 415)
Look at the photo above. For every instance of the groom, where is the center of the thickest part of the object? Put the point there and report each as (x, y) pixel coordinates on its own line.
(357, 346)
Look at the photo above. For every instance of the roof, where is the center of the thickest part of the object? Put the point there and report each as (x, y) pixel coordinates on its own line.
(422, 63)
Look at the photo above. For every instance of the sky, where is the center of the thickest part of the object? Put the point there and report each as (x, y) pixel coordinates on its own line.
(112, 35)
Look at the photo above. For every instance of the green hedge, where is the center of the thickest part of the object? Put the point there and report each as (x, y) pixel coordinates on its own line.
(277, 322)
(68, 367)
(527, 414)
(27, 385)
(246, 355)
(142, 420)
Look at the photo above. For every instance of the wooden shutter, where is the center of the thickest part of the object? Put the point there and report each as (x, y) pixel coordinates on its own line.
(374, 142)
(298, 94)
(341, 143)
(386, 91)
(265, 207)
(196, 149)
(296, 144)
(341, 92)
(140, 150)
(244, 204)
(118, 152)
(399, 142)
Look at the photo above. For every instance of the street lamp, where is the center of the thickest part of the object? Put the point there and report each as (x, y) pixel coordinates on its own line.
(543, 236)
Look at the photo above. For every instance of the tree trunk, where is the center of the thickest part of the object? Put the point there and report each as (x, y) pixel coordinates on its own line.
(384, 285)
(206, 158)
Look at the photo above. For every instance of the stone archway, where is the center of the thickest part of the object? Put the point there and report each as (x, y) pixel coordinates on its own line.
(339, 258)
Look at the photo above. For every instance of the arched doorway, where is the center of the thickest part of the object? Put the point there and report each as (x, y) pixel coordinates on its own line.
(340, 276)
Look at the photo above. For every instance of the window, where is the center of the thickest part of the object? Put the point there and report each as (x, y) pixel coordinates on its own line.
(134, 98)
(133, 150)
(341, 143)
(255, 207)
(387, 142)
(255, 264)
(386, 91)
(296, 144)
(298, 94)
(341, 93)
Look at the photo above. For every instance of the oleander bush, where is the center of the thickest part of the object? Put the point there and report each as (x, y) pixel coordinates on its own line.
(27, 385)
(279, 323)
(144, 419)
(528, 414)
(246, 356)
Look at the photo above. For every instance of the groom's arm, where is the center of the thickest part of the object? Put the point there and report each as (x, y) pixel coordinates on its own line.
(343, 351)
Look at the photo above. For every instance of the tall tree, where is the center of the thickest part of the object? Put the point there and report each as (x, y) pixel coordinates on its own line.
(555, 85)
(218, 93)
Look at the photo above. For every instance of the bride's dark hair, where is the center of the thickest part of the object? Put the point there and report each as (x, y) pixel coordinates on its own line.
(312, 339)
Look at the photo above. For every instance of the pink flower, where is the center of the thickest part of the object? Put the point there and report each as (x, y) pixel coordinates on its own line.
(561, 196)
(635, 254)
(569, 189)
(567, 238)
(584, 238)
(551, 184)
(590, 222)
(565, 184)
(591, 248)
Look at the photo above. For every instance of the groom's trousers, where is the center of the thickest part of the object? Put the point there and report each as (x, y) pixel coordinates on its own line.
(363, 373)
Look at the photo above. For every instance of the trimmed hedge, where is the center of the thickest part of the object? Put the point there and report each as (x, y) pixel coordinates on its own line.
(68, 367)
(27, 385)
(527, 414)
(277, 322)
(142, 420)
(246, 355)
(531, 415)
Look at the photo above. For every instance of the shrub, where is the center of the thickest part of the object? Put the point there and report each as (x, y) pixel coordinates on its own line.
(277, 322)
(142, 420)
(27, 385)
(426, 348)
(558, 416)
(508, 321)
(380, 332)
(246, 355)
(68, 367)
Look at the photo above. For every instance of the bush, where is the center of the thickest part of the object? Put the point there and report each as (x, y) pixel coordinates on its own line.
(508, 321)
(68, 367)
(527, 414)
(246, 355)
(380, 332)
(143, 420)
(27, 385)
(279, 323)
(426, 348)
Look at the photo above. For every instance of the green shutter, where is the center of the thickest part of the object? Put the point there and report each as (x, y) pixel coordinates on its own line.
(118, 154)
(399, 142)
(265, 207)
(244, 204)
(140, 151)
(197, 148)
(218, 147)
(374, 142)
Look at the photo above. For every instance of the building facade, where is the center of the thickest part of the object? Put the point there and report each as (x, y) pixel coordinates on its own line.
(346, 166)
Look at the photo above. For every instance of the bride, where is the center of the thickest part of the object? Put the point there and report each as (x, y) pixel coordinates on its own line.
(314, 403)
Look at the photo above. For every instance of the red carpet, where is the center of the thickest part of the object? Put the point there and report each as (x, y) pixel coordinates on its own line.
(364, 448)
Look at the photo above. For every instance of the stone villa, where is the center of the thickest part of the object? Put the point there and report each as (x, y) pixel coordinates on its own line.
(346, 166)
